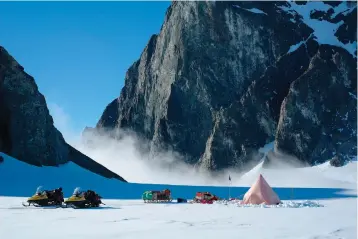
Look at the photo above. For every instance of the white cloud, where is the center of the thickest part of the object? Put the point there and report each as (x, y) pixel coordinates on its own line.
(62, 122)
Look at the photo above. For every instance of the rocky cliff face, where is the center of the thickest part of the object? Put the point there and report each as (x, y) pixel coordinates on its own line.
(222, 79)
(318, 117)
(26, 126)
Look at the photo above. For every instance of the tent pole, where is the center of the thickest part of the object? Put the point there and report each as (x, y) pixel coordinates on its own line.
(229, 187)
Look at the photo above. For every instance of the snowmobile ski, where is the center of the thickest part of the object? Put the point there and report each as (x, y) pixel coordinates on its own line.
(43, 206)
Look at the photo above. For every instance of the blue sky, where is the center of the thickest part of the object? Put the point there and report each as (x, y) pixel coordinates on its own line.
(78, 52)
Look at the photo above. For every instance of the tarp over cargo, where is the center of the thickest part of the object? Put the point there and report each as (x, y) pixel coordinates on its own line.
(157, 195)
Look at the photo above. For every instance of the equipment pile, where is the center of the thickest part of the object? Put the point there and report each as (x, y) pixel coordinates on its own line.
(157, 196)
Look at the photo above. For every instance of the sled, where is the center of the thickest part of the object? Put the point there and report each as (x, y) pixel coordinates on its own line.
(157, 196)
(205, 198)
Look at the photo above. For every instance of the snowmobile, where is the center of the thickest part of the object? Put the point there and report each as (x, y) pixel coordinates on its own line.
(44, 198)
(84, 199)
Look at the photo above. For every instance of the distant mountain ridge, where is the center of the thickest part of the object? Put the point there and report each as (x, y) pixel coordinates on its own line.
(222, 79)
(26, 126)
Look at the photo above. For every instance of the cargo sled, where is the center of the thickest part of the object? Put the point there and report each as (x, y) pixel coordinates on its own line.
(205, 198)
(157, 196)
(45, 198)
(84, 199)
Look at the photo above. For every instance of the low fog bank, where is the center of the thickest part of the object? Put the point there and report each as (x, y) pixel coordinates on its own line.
(126, 154)
(281, 170)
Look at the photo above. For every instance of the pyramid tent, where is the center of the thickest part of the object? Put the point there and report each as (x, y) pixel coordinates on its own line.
(260, 192)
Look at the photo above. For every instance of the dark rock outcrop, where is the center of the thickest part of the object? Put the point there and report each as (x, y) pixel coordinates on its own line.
(337, 161)
(26, 131)
(26, 126)
(347, 32)
(216, 82)
(321, 15)
(251, 122)
(332, 3)
(319, 115)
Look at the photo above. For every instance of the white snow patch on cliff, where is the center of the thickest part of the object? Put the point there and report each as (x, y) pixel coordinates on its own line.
(253, 10)
(267, 147)
(323, 30)
(296, 46)
(353, 95)
(342, 8)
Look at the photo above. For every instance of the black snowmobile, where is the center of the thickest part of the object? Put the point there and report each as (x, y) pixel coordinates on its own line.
(84, 199)
(44, 198)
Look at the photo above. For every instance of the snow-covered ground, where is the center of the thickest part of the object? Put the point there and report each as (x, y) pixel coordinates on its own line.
(134, 219)
(318, 202)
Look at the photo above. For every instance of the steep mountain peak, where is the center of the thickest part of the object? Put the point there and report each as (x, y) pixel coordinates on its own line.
(213, 84)
(27, 129)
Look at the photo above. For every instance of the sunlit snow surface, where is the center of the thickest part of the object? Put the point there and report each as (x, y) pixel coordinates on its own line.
(134, 219)
(317, 202)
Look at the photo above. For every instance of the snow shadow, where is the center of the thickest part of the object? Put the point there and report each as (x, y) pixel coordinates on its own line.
(289, 205)
(284, 204)
(19, 179)
(314, 193)
(98, 208)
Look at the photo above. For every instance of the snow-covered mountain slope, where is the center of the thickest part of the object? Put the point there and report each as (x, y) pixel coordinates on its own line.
(323, 175)
(325, 27)
(20, 179)
(134, 219)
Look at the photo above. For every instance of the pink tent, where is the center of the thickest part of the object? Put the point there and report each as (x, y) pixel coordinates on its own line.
(260, 192)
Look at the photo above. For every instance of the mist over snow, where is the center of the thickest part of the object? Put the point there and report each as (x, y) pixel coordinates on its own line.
(123, 156)
(63, 123)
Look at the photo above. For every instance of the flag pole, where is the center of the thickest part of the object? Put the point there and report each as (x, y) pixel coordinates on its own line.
(229, 186)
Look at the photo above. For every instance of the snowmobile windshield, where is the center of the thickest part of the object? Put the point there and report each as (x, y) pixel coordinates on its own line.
(77, 191)
(39, 190)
